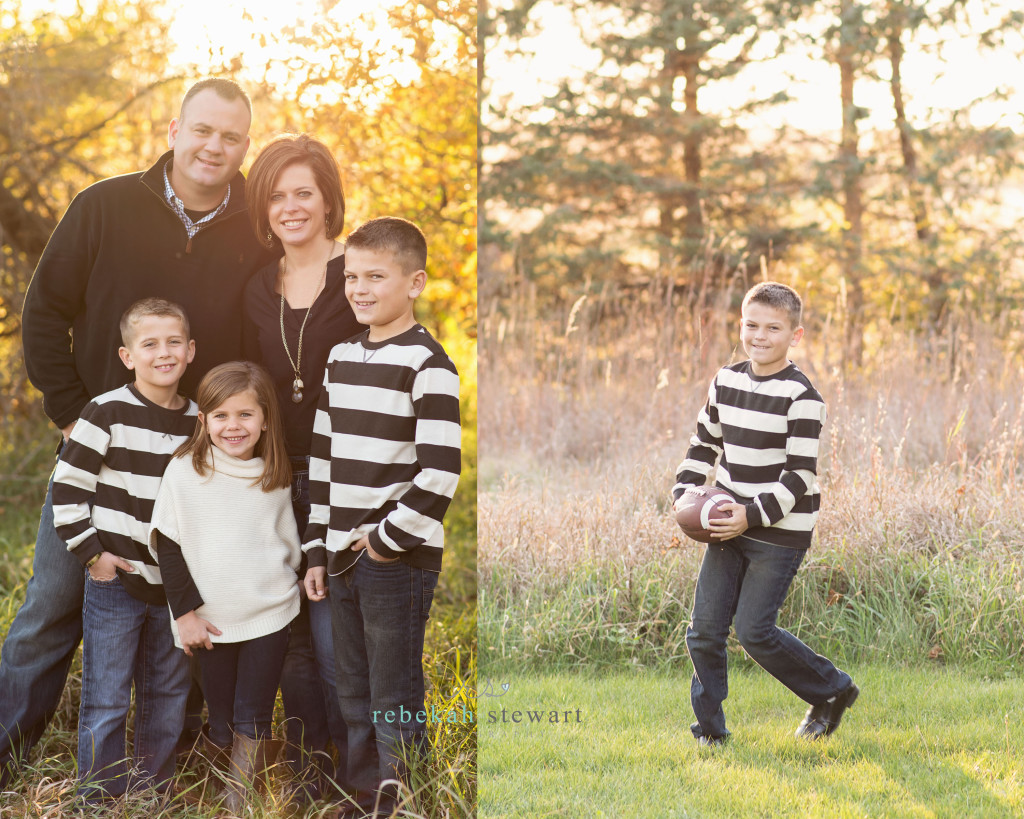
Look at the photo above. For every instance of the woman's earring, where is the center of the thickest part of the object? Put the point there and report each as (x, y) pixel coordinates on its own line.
(327, 225)
(270, 238)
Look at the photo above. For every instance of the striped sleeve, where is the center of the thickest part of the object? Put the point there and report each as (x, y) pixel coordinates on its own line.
(315, 537)
(75, 481)
(419, 512)
(804, 420)
(705, 447)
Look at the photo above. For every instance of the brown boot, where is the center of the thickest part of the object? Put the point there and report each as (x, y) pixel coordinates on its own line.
(217, 756)
(247, 769)
(215, 759)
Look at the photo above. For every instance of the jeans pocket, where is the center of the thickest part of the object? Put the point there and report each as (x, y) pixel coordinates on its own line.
(300, 483)
(100, 581)
(429, 584)
(383, 563)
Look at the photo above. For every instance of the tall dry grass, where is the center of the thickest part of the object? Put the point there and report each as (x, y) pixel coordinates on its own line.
(586, 416)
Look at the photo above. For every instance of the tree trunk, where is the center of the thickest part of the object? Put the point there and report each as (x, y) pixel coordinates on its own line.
(936, 298)
(853, 205)
(683, 62)
(918, 205)
(668, 201)
(693, 224)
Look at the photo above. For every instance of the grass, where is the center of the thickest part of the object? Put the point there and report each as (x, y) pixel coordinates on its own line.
(917, 552)
(918, 743)
(942, 609)
(913, 583)
(442, 788)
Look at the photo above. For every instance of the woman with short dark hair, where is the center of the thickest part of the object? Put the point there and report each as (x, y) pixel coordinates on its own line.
(296, 311)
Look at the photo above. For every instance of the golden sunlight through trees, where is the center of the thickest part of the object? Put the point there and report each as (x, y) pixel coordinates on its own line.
(87, 90)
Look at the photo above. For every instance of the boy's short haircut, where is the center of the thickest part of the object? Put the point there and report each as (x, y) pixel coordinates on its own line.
(226, 89)
(777, 295)
(150, 307)
(399, 236)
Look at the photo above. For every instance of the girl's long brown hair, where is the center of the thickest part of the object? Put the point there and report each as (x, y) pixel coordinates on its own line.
(217, 386)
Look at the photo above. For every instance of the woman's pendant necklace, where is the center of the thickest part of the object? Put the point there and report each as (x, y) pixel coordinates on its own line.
(296, 363)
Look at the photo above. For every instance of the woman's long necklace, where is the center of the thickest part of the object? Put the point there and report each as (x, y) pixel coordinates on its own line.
(296, 363)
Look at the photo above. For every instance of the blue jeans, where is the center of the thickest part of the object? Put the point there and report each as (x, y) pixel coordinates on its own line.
(380, 613)
(40, 645)
(127, 641)
(747, 581)
(313, 717)
(240, 683)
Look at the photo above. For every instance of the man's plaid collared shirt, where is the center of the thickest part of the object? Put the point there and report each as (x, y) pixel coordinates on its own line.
(179, 207)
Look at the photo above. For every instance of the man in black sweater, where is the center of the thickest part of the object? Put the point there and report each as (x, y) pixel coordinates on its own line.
(179, 231)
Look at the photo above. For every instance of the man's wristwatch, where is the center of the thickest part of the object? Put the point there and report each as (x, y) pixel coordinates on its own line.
(92, 560)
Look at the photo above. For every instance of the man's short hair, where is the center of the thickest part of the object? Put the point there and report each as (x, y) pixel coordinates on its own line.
(399, 236)
(281, 153)
(777, 295)
(226, 89)
(150, 307)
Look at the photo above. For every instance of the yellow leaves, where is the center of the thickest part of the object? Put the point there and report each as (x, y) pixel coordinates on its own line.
(100, 87)
(406, 144)
(675, 543)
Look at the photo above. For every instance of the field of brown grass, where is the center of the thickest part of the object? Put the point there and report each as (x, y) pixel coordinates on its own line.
(584, 418)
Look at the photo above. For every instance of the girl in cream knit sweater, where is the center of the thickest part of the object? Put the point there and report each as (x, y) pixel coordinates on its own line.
(225, 537)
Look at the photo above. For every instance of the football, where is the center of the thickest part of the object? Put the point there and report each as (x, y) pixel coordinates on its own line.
(697, 506)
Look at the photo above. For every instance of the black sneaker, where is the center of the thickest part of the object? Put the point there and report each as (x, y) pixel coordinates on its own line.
(822, 720)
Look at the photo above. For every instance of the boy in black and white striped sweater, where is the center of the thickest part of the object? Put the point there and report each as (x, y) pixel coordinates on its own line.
(104, 488)
(384, 463)
(761, 424)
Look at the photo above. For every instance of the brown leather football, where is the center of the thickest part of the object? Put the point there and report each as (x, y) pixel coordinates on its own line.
(699, 505)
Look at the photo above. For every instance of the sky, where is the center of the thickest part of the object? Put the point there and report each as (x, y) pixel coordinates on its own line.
(231, 27)
(198, 24)
(243, 27)
(953, 82)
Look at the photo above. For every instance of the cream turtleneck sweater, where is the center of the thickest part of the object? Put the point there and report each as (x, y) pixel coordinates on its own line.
(239, 542)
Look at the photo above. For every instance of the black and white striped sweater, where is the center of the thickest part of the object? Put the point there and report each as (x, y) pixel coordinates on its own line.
(764, 433)
(386, 451)
(107, 478)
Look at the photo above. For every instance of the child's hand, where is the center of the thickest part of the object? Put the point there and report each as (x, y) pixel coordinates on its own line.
(106, 567)
(316, 582)
(364, 543)
(194, 632)
(732, 526)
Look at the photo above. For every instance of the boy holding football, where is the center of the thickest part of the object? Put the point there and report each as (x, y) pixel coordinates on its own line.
(761, 423)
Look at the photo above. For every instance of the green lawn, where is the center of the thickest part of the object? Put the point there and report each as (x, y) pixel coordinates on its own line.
(922, 742)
